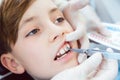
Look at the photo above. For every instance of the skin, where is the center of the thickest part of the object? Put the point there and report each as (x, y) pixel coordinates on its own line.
(41, 35)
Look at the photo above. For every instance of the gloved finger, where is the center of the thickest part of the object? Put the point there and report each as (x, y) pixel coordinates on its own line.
(108, 69)
(81, 58)
(74, 35)
(100, 28)
(77, 34)
(76, 5)
(84, 42)
(103, 31)
(89, 65)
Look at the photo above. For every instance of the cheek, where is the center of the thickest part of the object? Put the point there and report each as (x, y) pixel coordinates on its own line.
(35, 60)
(38, 63)
(34, 52)
(30, 53)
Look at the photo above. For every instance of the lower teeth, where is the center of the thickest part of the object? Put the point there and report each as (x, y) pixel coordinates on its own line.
(61, 57)
(57, 58)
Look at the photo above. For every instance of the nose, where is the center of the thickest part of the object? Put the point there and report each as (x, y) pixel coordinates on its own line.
(56, 35)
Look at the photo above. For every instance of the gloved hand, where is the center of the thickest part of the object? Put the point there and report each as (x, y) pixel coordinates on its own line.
(93, 68)
(79, 16)
(70, 10)
(82, 71)
(93, 21)
(108, 69)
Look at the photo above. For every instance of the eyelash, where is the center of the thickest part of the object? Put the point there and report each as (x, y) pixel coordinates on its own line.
(59, 20)
(34, 31)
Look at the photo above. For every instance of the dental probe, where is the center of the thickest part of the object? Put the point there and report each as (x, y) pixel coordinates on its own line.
(106, 54)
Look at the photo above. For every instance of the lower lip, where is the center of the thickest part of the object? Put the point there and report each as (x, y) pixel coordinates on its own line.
(66, 58)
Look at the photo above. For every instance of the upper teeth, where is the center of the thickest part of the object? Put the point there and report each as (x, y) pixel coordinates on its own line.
(64, 49)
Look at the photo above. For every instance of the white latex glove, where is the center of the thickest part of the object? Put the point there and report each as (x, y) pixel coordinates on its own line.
(82, 71)
(108, 69)
(94, 23)
(94, 68)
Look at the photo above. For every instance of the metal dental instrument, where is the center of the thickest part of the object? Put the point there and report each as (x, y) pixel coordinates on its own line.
(106, 54)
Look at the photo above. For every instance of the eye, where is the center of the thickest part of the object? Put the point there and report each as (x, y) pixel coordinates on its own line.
(59, 20)
(34, 31)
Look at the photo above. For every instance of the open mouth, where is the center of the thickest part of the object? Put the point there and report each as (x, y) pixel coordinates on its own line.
(63, 52)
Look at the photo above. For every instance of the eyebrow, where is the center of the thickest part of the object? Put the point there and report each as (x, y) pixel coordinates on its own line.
(28, 20)
(33, 17)
(53, 10)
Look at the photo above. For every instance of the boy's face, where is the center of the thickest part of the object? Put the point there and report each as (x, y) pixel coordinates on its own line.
(41, 37)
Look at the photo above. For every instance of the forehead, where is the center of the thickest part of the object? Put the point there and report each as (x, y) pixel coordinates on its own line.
(42, 4)
(39, 7)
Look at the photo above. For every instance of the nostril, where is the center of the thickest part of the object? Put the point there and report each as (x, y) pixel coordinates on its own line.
(56, 36)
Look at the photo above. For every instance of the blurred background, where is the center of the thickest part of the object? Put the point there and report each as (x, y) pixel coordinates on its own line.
(107, 10)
